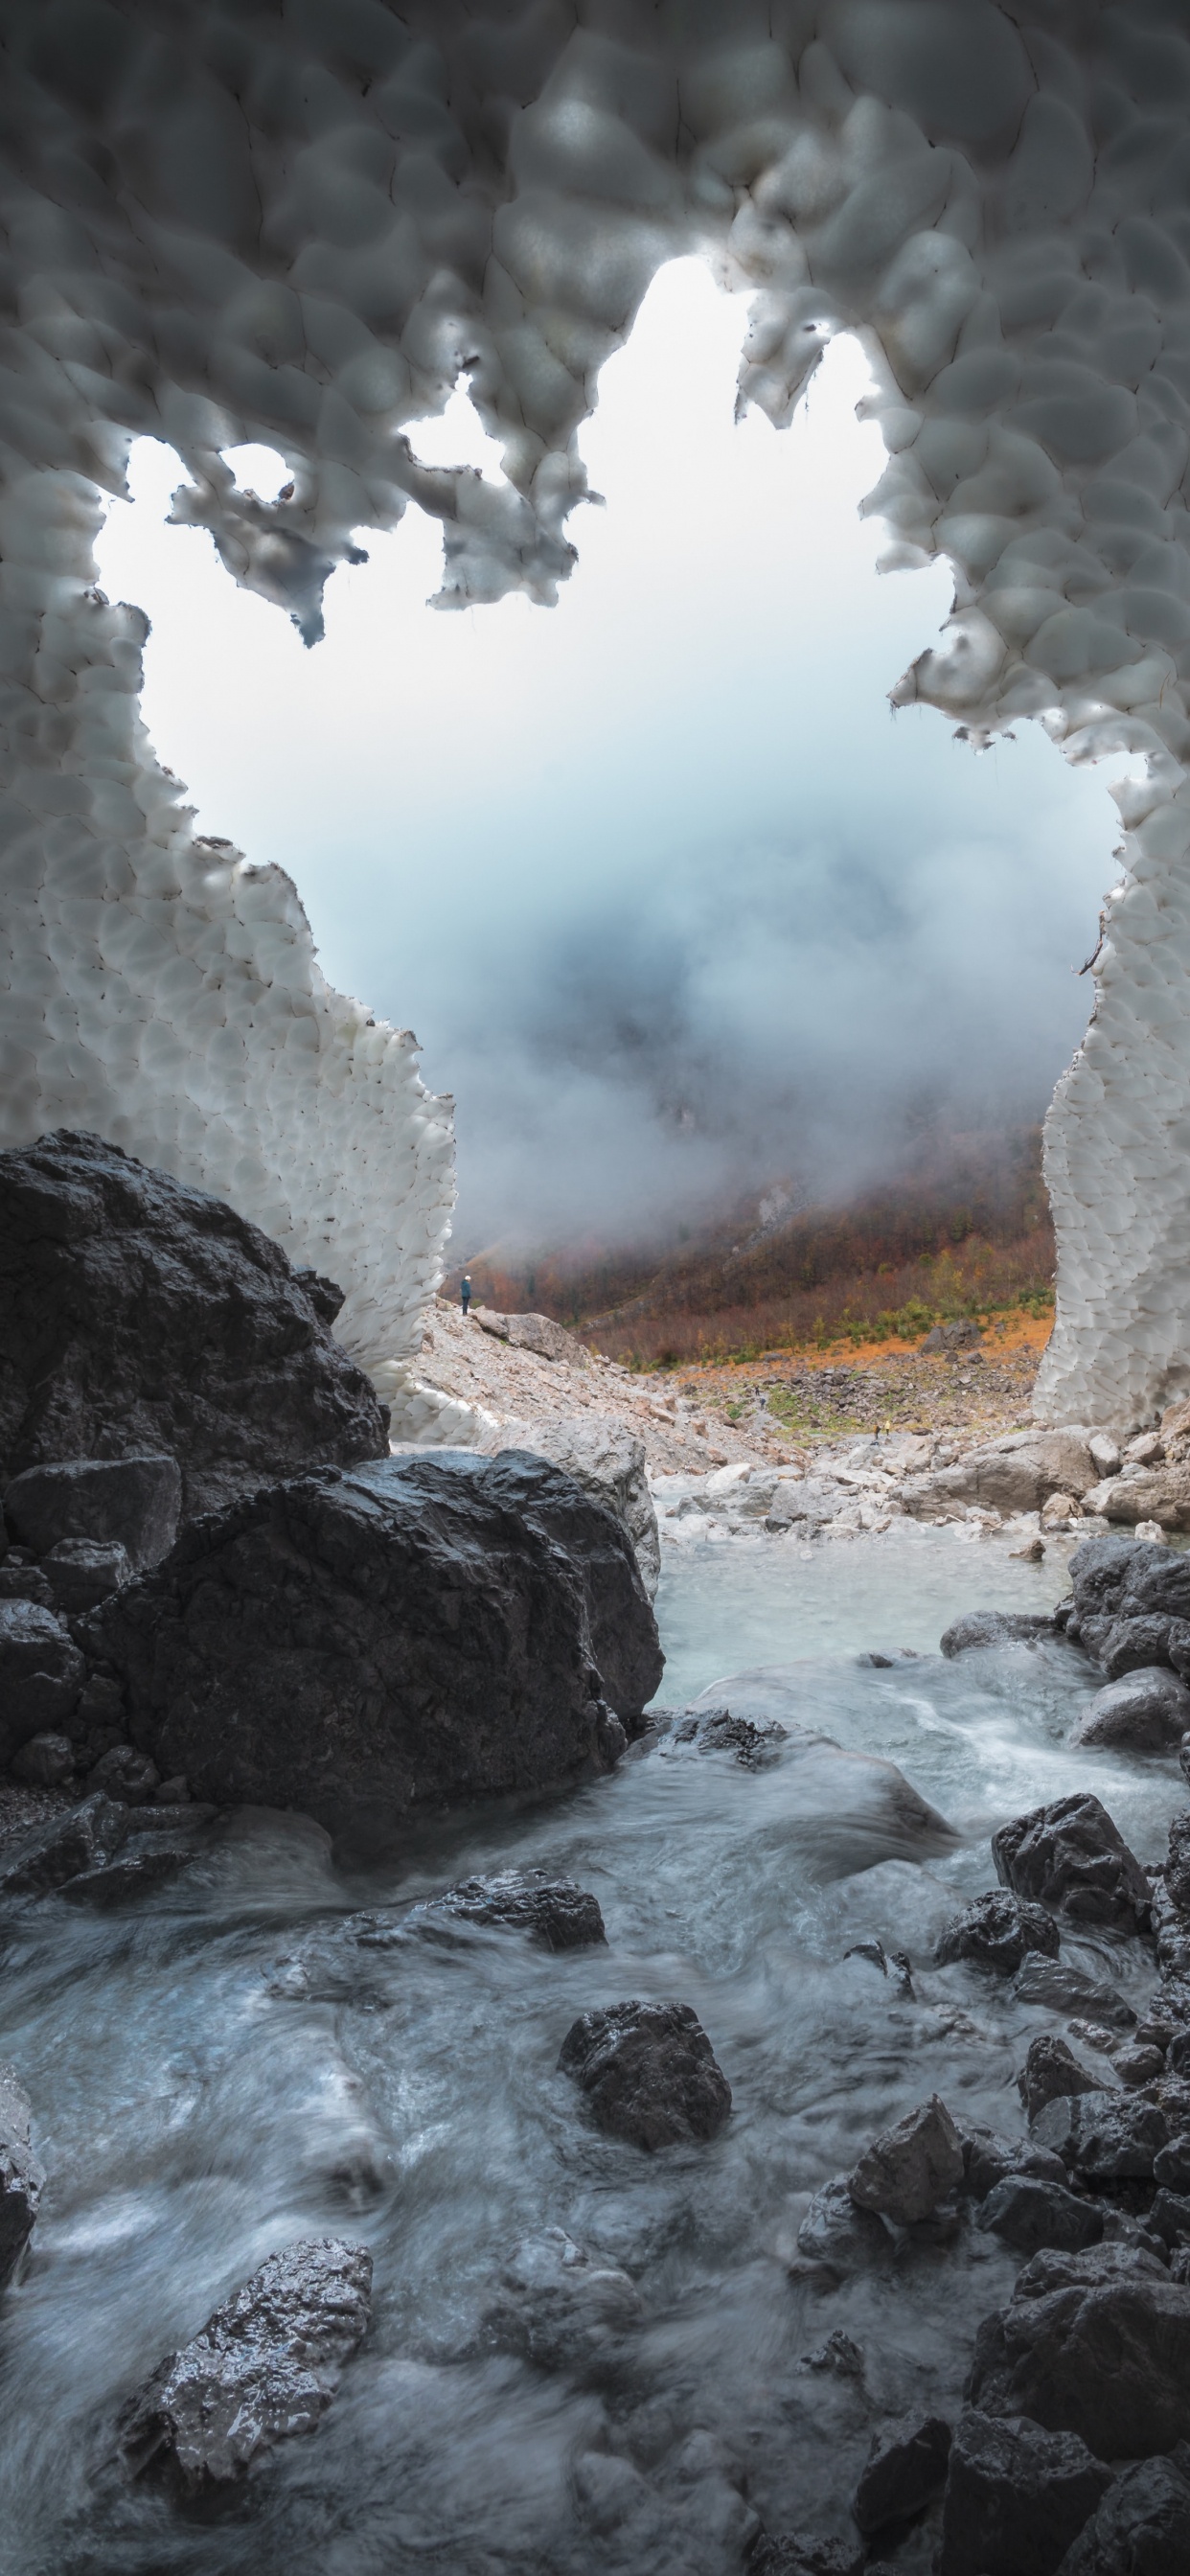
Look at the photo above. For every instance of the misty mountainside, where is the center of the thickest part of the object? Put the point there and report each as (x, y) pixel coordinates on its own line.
(962, 1228)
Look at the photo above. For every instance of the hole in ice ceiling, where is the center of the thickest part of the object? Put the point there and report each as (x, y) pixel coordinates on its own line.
(681, 907)
(258, 469)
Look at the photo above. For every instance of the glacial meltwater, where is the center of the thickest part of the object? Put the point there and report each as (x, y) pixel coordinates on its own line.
(276, 2046)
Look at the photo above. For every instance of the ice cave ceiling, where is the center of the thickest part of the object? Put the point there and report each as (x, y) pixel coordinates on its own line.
(299, 222)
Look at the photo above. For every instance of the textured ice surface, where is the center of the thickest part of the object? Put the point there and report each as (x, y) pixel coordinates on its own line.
(300, 226)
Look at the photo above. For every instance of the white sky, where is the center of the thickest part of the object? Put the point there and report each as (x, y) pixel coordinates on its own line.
(670, 899)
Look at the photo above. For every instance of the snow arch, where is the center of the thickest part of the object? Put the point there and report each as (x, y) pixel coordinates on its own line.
(299, 222)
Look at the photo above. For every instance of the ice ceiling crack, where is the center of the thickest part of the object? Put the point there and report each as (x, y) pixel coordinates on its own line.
(299, 223)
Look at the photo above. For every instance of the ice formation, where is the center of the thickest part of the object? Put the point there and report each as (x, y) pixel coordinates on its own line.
(300, 222)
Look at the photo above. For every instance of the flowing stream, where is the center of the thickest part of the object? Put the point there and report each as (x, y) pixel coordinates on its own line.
(272, 2048)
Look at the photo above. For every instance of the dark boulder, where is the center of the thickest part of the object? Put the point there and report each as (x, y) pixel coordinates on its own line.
(1104, 2137)
(139, 1315)
(905, 2470)
(998, 1931)
(133, 1503)
(1142, 2526)
(1097, 2344)
(909, 2169)
(1134, 1645)
(22, 2178)
(41, 1673)
(1016, 2497)
(82, 1571)
(1051, 2069)
(558, 1913)
(995, 1628)
(716, 1730)
(1027, 2213)
(649, 2073)
(1148, 1712)
(402, 1636)
(807, 2553)
(124, 1773)
(1071, 1857)
(44, 1761)
(265, 2366)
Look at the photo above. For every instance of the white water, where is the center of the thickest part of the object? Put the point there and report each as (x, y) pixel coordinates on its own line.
(227, 2066)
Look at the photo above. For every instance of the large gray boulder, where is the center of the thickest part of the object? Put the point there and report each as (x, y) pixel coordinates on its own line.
(1142, 2526)
(910, 2168)
(997, 1931)
(22, 2177)
(139, 1317)
(264, 2367)
(1094, 2343)
(1070, 1856)
(400, 1637)
(1015, 1474)
(1148, 1711)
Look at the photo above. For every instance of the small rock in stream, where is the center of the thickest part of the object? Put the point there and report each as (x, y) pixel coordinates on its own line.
(264, 2366)
(1070, 1856)
(1061, 1989)
(649, 2072)
(715, 1730)
(836, 2235)
(558, 2305)
(1028, 2213)
(1051, 2069)
(1148, 1712)
(910, 2168)
(998, 1931)
(905, 2470)
(1016, 2497)
(556, 1911)
(22, 2178)
(995, 1628)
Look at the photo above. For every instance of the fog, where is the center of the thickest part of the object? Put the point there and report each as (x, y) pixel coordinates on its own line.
(673, 902)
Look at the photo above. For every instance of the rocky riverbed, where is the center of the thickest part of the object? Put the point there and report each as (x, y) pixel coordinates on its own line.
(474, 2099)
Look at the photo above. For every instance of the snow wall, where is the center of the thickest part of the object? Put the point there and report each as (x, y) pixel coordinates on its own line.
(300, 222)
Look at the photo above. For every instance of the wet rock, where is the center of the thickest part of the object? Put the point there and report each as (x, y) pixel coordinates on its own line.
(122, 1772)
(1051, 2069)
(556, 1911)
(21, 1582)
(137, 1868)
(1169, 2218)
(80, 1838)
(994, 1628)
(839, 2355)
(1062, 1989)
(905, 2470)
(840, 2236)
(1148, 1711)
(41, 1674)
(264, 2367)
(82, 1571)
(1142, 2526)
(1016, 2497)
(909, 2169)
(649, 2073)
(1138, 2066)
(1070, 1856)
(559, 2306)
(1027, 2213)
(405, 1635)
(805, 2554)
(137, 1315)
(44, 1761)
(1104, 2137)
(998, 1931)
(988, 2160)
(608, 1460)
(715, 1730)
(22, 2177)
(132, 1503)
(1097, 2344)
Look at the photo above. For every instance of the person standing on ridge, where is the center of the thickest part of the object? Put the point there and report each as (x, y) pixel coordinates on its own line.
(465, 1292)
